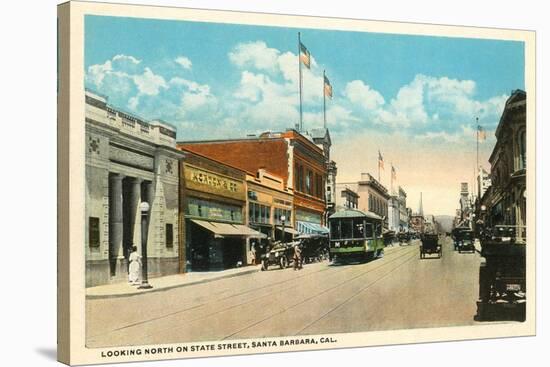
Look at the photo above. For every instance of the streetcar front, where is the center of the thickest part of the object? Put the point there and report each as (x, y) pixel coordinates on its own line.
(354, 236)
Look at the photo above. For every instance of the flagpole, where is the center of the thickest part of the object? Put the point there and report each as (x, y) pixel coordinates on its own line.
(324, 103)
(379, 166)
(391, 178)
(300, 74)
(477, 155)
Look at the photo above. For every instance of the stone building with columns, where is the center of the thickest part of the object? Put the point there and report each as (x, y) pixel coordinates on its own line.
(129, 161)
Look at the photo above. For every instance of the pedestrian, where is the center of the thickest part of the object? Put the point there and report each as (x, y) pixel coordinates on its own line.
(135, 265)
(254, 253)
(297, 258)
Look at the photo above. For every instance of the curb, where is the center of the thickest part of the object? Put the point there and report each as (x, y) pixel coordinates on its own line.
(153, 290)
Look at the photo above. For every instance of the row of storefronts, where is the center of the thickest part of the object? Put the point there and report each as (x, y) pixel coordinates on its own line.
(504, 199)
(214, 205)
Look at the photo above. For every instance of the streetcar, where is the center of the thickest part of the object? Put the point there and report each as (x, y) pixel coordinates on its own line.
(355, 235)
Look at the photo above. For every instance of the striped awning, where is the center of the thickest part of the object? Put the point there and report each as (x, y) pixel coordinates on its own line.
(312, 228)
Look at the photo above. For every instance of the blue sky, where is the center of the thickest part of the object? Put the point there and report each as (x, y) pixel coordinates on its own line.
(221, 80)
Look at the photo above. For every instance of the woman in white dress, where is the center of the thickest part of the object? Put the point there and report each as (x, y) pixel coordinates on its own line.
(135, 264)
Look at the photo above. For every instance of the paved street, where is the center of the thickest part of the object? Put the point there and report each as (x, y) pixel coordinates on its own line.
(394, 292)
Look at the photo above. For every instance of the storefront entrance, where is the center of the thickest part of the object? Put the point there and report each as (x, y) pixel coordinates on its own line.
(215, 246)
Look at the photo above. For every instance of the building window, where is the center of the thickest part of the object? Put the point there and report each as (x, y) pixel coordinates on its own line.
(297, 181)
(522, 157)
(258, 213)
(308, 182)
(301, 174)
(278, 213)
(93, 231)
(169, 235)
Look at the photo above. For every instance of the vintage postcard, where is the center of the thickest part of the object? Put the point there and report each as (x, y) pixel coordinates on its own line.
(238, 183)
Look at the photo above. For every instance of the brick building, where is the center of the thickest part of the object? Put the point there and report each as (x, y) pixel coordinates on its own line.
(293, 157)
(213, 214)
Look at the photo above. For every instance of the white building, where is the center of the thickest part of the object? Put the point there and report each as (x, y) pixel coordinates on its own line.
(483, 182)
(129, 161)
(393, 213)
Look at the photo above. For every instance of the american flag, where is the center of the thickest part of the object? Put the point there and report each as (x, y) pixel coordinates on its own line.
(380, 160)
(327, 88)
(305, 56)
(481, 134)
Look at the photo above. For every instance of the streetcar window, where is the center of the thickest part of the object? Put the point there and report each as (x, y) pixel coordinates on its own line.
(368, 230)
(335, 229)
(378, 229)
(347, 229)
(358, 228)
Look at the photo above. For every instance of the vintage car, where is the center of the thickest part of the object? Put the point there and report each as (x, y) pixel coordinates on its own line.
(314, 247)
(457, 235)
(430, 245)
(281, 254)
(466, 242)
(502, 286)
(389, 237)
(404, 237)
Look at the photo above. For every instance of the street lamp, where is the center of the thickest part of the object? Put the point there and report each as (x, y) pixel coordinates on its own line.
(283, 218)
(144, 209)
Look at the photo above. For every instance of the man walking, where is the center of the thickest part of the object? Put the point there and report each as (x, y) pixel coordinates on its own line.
(297, 257)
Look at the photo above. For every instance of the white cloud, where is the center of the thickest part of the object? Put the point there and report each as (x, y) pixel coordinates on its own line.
(252, 86)
(255, 54)
(358, 92)
(128, 58)
(184, 62)
(149, 83)
(133, 102)
(96, 73)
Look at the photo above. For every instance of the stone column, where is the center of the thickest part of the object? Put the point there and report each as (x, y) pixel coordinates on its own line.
(115, 221)
(135, 214)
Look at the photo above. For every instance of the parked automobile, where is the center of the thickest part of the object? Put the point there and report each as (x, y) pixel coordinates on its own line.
(314, 247)
(280, 254)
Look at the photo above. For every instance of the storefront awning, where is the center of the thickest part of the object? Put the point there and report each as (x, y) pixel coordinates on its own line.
(308, 227)
(288, 230)
(226, 229)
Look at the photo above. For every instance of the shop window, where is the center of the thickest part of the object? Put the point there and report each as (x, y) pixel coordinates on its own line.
(169, 235)
(93, 231)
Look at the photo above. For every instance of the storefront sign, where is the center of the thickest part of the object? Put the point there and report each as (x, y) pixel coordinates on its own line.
(202, 180)
(214, 211)
(308, 217)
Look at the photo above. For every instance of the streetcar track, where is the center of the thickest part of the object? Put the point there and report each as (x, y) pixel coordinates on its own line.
(355, 295)
(323, 292)
(397, 256)
(211, 301)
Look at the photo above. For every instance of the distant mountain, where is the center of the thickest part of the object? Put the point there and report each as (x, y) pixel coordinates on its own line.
(445, 222)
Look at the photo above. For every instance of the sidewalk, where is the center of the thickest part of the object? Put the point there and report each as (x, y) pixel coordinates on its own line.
(124, 289)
